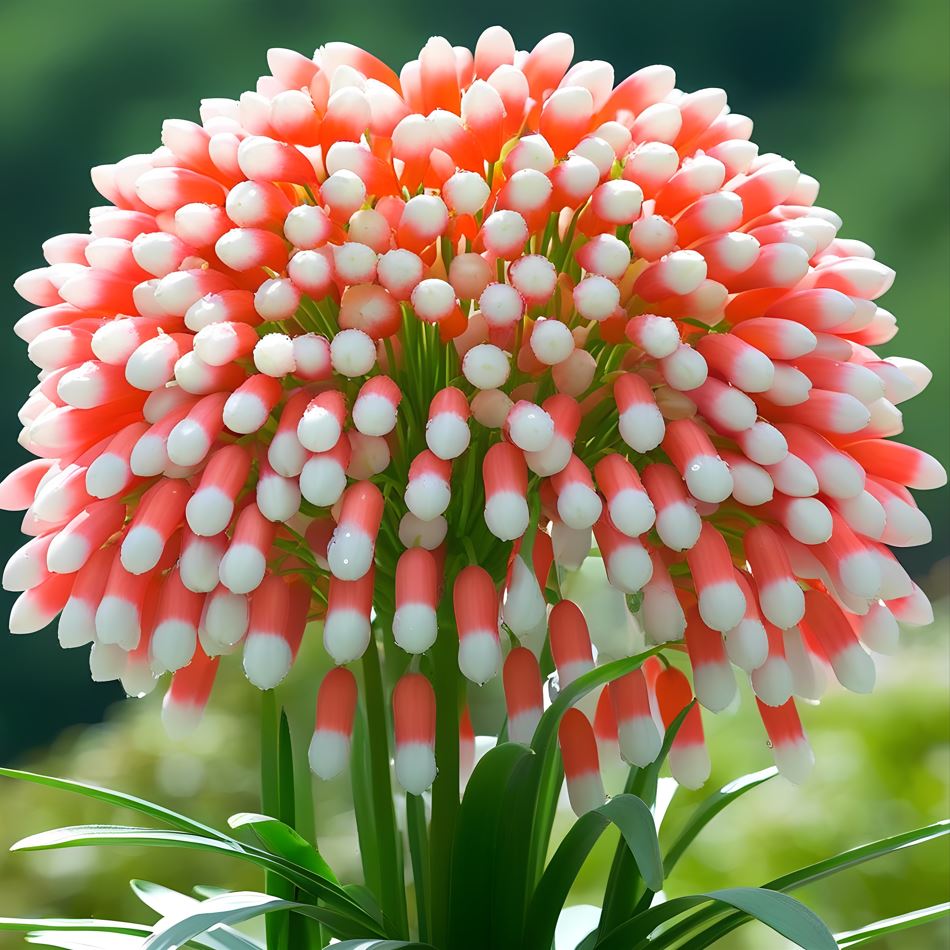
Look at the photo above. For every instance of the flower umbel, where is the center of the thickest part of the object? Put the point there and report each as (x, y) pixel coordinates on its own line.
(391, 351)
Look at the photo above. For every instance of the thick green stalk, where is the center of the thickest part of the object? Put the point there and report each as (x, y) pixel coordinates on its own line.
(393, 893)
(419, 853)
(361, 780)
(445, 789)
(312, 936)
(277, 925)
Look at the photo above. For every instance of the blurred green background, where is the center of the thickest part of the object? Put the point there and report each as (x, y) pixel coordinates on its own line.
(855, 91)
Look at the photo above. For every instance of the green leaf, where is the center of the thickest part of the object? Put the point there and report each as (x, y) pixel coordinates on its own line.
(234, 908)
(119, 799)
(624, 882)
(210, 890)
(273, 754)
(513, 845)
(555, 884)
(361, 785)
(867, 852)
(806, 875)
(547, 727)
(635, 822)
(474, 863)
(708, 809)
(168, 902)
(588, 942)
(24, 924)
(362, 895)
(543, 743)
(419, 858)
(111, 835)
(388, 840)
(83, 940)
(286, 787)
(282, 840)
(785, 915)
(86, 933)
(163, 900)
(881, 928)
(379, 945)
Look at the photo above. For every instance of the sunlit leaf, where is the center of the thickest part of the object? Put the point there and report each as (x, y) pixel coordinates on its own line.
(210, 890)
(881, 928)
(168, 903)
(806, 875)
(119, 799)
(25, 924)
(785, 915)
(638, 832)
(84, 940)
(111, 835)
(235, 908)
(280, 839)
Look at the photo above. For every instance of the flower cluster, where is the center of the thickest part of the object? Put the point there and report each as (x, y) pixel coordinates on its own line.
(413, 355)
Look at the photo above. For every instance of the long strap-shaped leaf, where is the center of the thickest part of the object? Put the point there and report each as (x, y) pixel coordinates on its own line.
(167, 902)
(882, 928)
(419, 859)
(635, 822)
(26, 924)
(86, 933)
(510, 893)
(708, 808)
(378, 945)
(280, 838)
(790, 882)
(474, 857)
(547, 727)
(624, 881)
(120, 799)
(543, 743)
(171, 933)
(785, 915)
(102, 835)
(86, 940)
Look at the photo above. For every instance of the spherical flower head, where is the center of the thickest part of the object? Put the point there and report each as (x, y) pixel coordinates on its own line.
(496, 311)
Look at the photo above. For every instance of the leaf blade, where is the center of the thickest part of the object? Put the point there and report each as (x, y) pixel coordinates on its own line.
(783, 914)
(280, 839)
(881, 928)
(235, 908)
(119, 799)
(120, 835)
(807, 875)
(635, 822)
(24, 924)
(166, 902)
(473, 867)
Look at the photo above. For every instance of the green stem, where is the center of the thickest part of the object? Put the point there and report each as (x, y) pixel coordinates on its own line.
(312, 934)
(419, 854)
(393, 895)
(361, 781)
(276, 925)
(445, 789)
